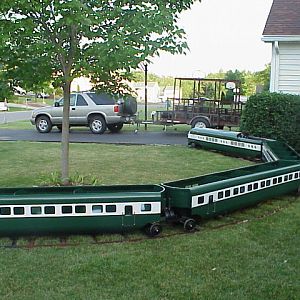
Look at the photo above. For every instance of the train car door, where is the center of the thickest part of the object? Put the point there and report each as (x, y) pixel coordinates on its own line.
(128, 218)
(211, 207)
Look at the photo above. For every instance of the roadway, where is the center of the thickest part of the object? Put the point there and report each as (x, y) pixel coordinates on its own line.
(81, 136)
(85, 136)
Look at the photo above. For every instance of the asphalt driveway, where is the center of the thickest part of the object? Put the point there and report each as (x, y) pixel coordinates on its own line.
(76, 136)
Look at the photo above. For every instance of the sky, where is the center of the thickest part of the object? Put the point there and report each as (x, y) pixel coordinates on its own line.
(221, 34)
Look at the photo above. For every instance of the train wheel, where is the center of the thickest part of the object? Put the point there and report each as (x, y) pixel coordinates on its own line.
(153, 230)
(189, 224)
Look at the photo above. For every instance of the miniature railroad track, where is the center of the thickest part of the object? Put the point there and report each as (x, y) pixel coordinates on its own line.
(62, 242)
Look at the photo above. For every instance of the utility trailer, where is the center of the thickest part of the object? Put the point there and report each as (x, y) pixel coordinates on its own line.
(202, 102)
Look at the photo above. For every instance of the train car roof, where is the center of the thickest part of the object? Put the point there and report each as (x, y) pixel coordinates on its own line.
(234, 174)
(231, 135)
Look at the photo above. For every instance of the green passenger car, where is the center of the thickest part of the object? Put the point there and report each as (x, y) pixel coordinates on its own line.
(218, 193)
(80, 210)
(231, 142)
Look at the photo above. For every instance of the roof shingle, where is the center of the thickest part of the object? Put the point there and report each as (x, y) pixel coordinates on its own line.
(284, 18)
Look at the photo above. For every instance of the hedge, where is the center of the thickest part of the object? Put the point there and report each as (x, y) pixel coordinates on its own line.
(273, 115)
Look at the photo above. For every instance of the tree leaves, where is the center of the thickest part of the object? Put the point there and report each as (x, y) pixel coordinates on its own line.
(71, 38)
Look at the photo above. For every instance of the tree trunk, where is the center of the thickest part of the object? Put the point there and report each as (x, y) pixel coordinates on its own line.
(65, 135)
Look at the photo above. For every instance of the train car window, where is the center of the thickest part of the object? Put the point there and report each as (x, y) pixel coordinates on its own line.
(80, 209)
(19, 210)
(275, 181)
(49, 210)
(242, 189)
(97, 209)
(201, 200)
(227, 193)
(268, 182)
(110, 208)
(211, 198)
(66, 209)
(250, 187)
(146, 207)
(286, 178)
(220, 195)
(235, 191)
(5, 211)
(279, 179)
(296, 175)
(255, 186)
(263, 184)
(36, 210)
(290, 177)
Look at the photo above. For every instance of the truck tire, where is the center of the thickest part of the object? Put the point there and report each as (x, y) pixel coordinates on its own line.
(200, 123)
(43, 124)
(129, 106)
(97, 124)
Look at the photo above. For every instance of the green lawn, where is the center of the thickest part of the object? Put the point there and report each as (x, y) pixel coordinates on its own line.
(255, 259)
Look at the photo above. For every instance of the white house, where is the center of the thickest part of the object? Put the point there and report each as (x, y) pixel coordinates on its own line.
(153, 91)
(168, 92)
(283, 31)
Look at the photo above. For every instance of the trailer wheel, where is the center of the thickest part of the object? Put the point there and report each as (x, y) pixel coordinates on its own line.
(153, 230)
(200, 123)
(189, 224)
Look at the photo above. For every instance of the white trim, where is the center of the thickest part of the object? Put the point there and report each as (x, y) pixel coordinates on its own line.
(226, 142)
(281, 38)
(120, 210)
(245, 185)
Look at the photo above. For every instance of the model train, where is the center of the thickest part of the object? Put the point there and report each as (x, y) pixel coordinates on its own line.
(98, 209)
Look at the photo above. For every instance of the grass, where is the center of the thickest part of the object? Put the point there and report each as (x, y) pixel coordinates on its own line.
(258, 259)
(28, 163)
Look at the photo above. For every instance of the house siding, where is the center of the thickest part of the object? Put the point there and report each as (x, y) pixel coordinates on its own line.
(285, 77)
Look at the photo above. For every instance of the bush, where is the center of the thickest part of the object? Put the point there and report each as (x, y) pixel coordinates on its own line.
(273, 115)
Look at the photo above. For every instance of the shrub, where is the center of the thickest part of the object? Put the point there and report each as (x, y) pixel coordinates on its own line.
(273, 115)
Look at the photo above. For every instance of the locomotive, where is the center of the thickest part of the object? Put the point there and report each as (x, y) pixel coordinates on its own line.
(108, 209)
